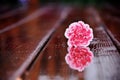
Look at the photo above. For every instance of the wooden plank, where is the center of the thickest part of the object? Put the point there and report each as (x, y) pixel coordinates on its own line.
(105, 65)
(52, 57)
(32, 72)
(20, 45)
(28, 13)
(10, 17)
(11, 12)
(111, 19)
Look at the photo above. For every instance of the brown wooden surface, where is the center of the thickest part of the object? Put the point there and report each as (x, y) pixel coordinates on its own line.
(33, 46)
(19, 45)
(111, 18)
(16, 15)
(53, 65)
(105, 65)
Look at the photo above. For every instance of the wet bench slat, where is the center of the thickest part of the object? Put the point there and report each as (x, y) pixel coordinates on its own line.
(105, 65)
(52, 58)
(111, 18)
(20, 45)
(37, 47)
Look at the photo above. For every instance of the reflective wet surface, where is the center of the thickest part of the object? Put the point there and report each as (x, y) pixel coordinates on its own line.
(33, 45)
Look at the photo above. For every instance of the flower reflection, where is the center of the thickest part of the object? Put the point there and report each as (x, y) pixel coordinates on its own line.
(78, 57)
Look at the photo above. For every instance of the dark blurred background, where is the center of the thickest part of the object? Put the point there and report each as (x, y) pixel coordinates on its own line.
(81, 2)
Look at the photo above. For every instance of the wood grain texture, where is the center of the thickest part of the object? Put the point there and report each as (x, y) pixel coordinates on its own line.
(52, 63)
(19, 46)
(12, 16)
(32, 72)
(111, 19)
(105, 65)
(19, 19)
(36, 47)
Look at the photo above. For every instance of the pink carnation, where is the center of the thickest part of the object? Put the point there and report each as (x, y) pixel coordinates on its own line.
(79, 34)
(78, 57)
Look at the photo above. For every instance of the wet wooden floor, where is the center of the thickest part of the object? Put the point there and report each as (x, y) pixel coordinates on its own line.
(33, 46)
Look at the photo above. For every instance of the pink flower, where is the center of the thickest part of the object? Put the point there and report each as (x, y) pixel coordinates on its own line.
(79, 34)
(78, 57)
